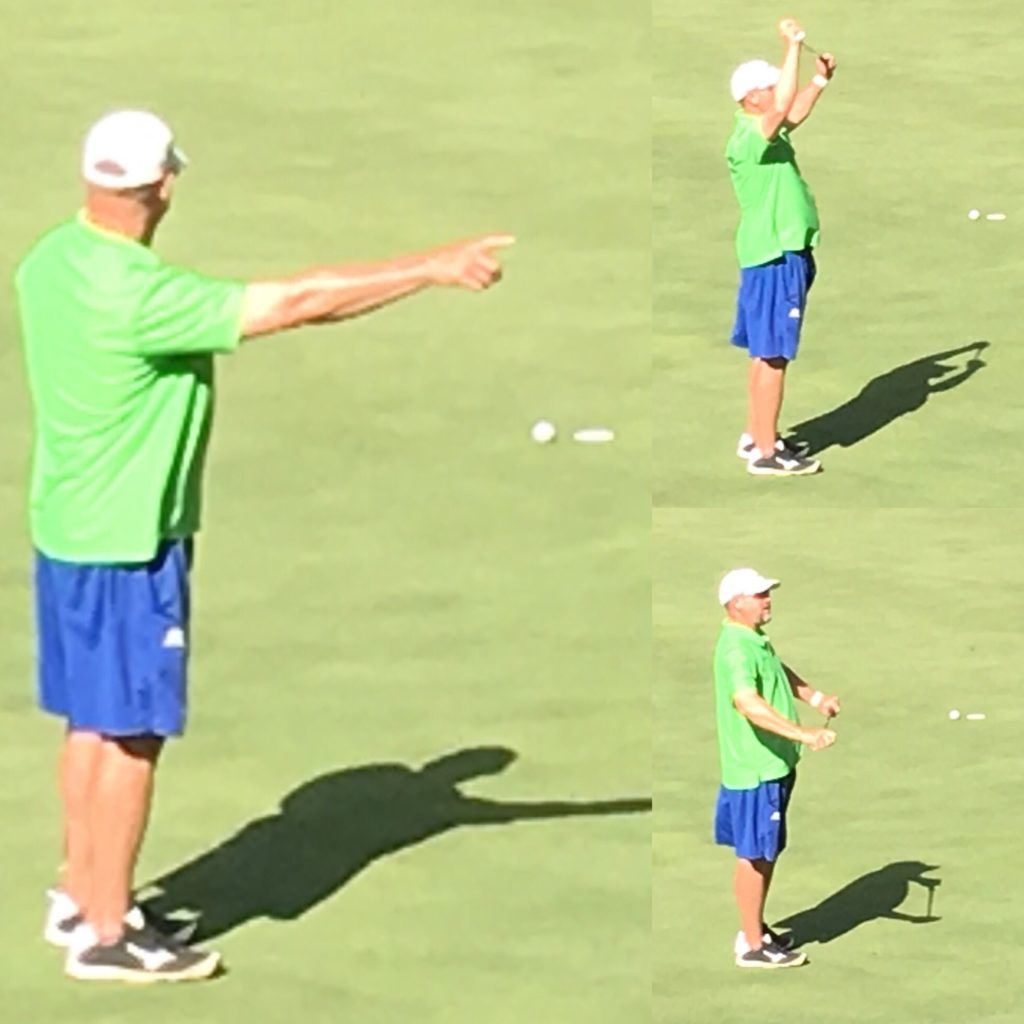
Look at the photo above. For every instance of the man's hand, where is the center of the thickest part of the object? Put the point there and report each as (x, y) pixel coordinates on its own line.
(469, 264)
(818, 739)
(790, 30)
(829, 705)
(825, 65)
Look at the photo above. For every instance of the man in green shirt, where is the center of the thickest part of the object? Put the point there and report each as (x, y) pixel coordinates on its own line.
(778, 231)
(119, 348)
(759, 739)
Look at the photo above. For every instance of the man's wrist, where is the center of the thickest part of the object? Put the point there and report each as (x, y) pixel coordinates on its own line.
(815, 698)
(820, 81)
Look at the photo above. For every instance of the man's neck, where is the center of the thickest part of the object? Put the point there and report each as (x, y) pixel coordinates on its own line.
(745, 625)
(121, 217)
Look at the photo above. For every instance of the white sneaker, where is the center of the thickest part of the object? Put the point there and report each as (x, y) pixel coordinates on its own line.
(741, 947)
(64, 918)
(745, 448)
(139, 956)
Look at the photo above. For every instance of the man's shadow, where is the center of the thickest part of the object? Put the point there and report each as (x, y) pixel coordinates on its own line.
(874, 895)
(332, 827)
(887, 397)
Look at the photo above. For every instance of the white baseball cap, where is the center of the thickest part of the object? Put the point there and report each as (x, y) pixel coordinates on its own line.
(745, 582)
(128, 148)
(754, 74)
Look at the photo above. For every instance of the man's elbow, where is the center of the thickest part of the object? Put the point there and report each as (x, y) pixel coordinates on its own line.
(267, 312)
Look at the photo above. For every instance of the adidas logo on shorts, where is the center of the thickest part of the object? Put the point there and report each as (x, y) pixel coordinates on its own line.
(174, 637)
(794, 313)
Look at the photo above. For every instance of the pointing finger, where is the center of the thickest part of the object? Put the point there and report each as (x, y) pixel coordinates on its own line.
(495, 241)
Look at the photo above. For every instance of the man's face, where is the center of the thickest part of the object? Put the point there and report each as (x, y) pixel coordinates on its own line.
(752, 610)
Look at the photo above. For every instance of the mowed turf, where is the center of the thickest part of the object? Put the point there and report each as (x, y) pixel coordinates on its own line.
(905, 614)
(391, 573)
(914, 131)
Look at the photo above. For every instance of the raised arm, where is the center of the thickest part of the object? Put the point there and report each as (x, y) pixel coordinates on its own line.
(785, 89)
(825, 68)
(329, 294)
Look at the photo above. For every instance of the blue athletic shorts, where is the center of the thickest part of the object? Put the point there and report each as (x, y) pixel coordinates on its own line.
(753, 821)
(113, 642)
(771, 304)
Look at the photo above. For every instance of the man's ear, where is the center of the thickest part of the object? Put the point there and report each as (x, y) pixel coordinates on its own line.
(167, 186)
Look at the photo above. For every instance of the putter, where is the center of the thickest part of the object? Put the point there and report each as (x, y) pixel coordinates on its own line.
(807, 46)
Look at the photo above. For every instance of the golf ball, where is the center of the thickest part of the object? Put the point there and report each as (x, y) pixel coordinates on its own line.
(543, 431)
(973, 214)
(954, 715)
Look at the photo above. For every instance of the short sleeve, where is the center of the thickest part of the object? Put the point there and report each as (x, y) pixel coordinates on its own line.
(748, 145)
(739, 670)
(182, 312)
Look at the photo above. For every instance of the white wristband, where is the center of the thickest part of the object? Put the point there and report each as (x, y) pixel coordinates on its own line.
(816, 698)
(820, 81)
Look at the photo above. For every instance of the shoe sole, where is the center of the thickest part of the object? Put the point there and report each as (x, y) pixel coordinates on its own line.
(810, 471)
(770, 966)
(201, 971)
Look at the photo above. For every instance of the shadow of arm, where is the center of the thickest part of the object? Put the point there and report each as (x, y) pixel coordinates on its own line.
(487, 812)
(896, 915)
(948, 383)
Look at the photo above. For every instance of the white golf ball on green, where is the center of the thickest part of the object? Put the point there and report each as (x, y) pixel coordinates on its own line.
(954, 715)
(543, 431)
(973, 214)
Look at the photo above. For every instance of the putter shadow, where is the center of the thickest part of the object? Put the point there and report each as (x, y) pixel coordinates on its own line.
(334, 826)
(868, 898)
(888, 397)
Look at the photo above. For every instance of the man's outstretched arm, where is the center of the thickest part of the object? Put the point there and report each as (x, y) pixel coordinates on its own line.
(803, 104)
(329, 294)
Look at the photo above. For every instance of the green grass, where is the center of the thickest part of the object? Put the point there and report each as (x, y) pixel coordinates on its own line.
(913, 132)
(905, 614)
(390, 571)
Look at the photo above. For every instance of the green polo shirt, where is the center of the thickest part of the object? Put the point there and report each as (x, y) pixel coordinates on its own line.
(777, 211)
(119, 347)
(745, 660)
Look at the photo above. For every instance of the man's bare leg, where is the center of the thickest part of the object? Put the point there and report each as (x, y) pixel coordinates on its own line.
(752, 371)
(750, 884)
(79, 763)
(766, 380)
(120, 805)
(769, 870)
